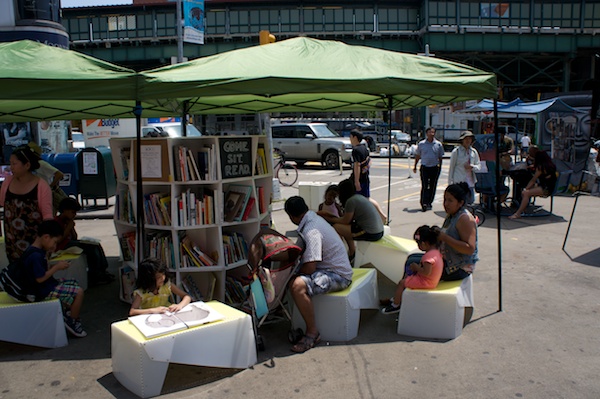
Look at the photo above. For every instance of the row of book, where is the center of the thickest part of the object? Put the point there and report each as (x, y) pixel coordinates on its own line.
(235, 291)
(127, 243)
(192, 255)
(235, 248)
(200, 166)
(160, 246)
(157, 209)
(203, 293)
(125, 155)
(196, 209)
(123, 206)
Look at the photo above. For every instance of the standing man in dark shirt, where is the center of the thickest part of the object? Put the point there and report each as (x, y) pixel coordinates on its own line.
(361, 163)
(430, 151)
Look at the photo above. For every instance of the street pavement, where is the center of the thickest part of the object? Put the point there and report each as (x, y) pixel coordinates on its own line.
(543, 343)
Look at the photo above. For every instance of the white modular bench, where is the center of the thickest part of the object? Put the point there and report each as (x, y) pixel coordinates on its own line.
(337, 314)
(37, 324)
(140, 364)
(438, 313)
(388, 255)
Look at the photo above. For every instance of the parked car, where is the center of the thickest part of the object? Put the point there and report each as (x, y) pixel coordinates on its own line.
(171, 129)
(302, 142)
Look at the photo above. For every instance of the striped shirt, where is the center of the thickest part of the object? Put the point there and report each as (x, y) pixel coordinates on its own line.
(324, 246)
(431, 153)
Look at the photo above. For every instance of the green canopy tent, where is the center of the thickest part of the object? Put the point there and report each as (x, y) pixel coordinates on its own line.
(41, 82)
(310, 75)
(304, 74)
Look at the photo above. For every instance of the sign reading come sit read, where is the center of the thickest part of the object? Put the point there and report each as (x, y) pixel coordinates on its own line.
(236, 157)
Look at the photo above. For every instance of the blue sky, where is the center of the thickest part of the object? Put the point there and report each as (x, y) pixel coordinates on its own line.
(92, 3)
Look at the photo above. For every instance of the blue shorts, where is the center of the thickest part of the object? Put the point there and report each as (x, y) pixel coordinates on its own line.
(324, 281)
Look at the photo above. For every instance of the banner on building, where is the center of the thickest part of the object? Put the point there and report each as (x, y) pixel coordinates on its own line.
(193, 21)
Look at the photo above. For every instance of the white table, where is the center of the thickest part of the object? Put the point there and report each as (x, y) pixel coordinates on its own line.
(140, 364)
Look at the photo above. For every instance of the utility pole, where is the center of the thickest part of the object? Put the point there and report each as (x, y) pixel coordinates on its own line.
(179, 32)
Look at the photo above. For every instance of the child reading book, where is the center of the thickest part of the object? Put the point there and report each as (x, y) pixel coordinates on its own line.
(425, 274)
(154, 293)
(68, 292)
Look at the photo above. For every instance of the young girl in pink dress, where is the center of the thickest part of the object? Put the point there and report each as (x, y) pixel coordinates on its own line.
(426, 274)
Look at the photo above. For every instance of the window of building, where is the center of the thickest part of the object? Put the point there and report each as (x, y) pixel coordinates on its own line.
(121, 22)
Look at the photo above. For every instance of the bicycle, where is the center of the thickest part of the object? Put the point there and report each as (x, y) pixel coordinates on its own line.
(478, 213)
(286, 173)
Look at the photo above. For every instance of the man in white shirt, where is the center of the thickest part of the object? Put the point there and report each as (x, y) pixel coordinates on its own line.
(325, 266)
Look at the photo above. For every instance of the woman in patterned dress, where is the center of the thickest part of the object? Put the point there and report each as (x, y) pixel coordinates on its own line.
(27, 200)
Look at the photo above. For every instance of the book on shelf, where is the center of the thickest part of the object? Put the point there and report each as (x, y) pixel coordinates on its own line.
(262, 207)
(234, 247)
(232, 204)
(195, 208)
(246, 192)
(261, 160)
(193, 314)
(235, 291)
(204, 290)
(248, 209)
(125, 155)
(127, 283)
(160, 245)
(156, 210)
(198, 257)
(127, 243)
(207, 163)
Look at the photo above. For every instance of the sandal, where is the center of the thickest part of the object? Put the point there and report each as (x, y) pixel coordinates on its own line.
(307, 342)
(514, 217)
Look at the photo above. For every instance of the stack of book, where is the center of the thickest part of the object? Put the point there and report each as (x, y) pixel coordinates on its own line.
(192, 255)
(123, 206)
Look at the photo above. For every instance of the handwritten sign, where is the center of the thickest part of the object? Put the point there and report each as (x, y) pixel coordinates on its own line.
(236, 157)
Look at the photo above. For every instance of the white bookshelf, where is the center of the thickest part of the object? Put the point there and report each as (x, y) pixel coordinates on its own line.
(230, 157)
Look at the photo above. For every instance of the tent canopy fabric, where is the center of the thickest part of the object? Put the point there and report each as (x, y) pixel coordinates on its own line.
(35, 71)
(304, 74)
(297, 75)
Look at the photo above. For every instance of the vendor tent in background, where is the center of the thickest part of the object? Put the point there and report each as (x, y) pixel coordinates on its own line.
(562, 130)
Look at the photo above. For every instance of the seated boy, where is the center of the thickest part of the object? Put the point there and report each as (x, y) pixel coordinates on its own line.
(68, 292)
(96, 259)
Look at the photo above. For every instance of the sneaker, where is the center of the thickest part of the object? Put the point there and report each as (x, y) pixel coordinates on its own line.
(74, 327)
(390, 309)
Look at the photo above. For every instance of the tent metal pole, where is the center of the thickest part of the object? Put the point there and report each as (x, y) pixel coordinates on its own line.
(184, 113)
(389, 157)
(139, 186)
(498, 185)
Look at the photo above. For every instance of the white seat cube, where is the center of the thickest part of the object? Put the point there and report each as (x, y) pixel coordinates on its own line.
(438, 313)
(337, 314)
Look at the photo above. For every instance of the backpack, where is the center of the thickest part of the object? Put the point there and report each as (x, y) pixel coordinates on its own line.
(17, 281)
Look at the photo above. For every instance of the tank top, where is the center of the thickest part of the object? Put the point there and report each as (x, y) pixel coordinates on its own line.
(21, 218)
(455, 260)
(331, 209)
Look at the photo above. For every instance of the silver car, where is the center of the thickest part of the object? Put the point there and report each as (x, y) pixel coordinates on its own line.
(302, 142)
